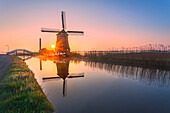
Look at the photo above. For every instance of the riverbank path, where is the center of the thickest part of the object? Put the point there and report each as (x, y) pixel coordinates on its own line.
(5, 60)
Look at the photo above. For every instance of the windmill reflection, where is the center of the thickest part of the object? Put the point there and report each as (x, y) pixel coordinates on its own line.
(63, 72)
(154, 77)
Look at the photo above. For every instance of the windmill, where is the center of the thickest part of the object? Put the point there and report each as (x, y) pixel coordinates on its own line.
(62, 44)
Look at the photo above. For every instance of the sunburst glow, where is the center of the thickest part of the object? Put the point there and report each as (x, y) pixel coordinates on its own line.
(53, 46)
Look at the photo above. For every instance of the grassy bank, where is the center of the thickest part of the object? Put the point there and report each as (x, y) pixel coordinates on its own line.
(20, 92)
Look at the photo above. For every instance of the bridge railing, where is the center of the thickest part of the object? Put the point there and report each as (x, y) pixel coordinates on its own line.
(16, 50)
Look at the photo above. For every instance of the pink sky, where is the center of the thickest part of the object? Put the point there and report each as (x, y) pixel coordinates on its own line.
(21, 24)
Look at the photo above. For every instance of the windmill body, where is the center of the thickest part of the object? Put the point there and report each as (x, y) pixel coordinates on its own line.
(62, 44)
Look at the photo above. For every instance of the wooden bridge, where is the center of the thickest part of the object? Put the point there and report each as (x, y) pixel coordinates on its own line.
(20, 52)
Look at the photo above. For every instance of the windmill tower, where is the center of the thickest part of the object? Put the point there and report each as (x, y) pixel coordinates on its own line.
(62, 44)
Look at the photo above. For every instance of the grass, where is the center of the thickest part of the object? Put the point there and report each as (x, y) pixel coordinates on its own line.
(20, 92)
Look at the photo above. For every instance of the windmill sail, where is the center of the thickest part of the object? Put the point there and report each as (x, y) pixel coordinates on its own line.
(81, 32)
(63, 17)
(49, 30)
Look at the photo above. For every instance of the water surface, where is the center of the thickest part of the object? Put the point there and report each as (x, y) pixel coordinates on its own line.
(90, 87)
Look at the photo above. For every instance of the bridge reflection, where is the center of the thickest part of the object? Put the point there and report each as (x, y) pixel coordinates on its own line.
(62, 72)
(25, 57)
(154, 77)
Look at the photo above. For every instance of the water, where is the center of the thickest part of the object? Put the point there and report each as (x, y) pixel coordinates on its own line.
(89, 87)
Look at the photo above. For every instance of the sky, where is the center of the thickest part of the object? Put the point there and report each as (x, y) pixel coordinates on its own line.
(107, 24)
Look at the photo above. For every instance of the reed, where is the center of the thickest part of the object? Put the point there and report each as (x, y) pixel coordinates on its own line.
(148, 59)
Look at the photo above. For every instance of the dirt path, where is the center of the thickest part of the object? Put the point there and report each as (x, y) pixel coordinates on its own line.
(5, 60)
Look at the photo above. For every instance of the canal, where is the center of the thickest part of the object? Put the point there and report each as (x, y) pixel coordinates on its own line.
(91, 87)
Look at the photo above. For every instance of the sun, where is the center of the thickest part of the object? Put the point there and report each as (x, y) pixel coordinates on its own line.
(53, 46)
